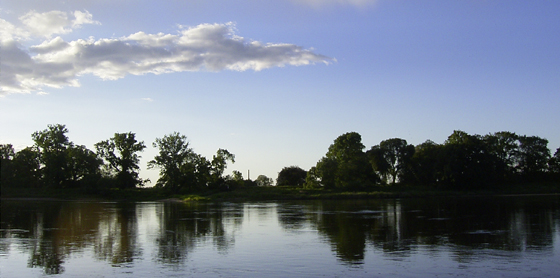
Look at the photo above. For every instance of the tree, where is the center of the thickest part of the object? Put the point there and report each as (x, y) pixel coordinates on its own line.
(324, 174)
(176, 162)
(63, 164)
(465, 162)
(425, 163)
(26, 168)
(391, 159)
(219, 161)
(533, 156)
(52, 144)
(554, 163)
(120, 152)
(344, 166)
(291, 176)
(82, 163)
(504, 146)
(263, 180)
(353, 168)
(217, 167)
(236, 175)
(312, 178)
(7, 154)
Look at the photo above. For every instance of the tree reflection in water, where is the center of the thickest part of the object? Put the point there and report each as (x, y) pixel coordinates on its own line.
(399, 227)
(117, 233)
(51, 231)
(58, 229)
(184, 226)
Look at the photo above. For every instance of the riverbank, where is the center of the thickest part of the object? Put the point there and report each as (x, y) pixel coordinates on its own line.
(271, 193)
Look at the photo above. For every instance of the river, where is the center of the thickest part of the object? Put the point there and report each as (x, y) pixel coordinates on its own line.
(507, 236)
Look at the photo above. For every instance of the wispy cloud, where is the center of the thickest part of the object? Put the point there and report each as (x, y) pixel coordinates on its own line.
(58, 63)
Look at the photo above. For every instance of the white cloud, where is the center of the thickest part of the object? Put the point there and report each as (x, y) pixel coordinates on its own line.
(46, 24)
(55, 22)
(83, 18)
(58, 63)
(10, 32)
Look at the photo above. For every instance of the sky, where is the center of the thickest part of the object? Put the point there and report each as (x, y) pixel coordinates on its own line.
(275, 82)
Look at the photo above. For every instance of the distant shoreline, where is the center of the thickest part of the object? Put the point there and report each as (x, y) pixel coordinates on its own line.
(271, 194)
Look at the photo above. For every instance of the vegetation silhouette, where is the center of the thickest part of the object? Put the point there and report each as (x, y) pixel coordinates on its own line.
(464, 162)
(291, 176)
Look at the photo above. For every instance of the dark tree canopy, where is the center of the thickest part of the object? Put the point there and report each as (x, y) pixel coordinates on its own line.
(533, 155)
(62, 164)
(183, 170)
(425, 163)
(291, 176)
(391, 159)
(463, 162)
(82, 163)
(554, 163)
(344, 166)
(7, 154)
(263, 180)
(52, 144)
(466, 163)
(175, 160)
(121, 154)
(27, 168)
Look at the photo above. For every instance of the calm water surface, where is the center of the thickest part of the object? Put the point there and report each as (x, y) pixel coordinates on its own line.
(435, 237)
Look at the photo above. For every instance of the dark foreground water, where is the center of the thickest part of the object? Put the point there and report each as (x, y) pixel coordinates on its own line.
(434, 237)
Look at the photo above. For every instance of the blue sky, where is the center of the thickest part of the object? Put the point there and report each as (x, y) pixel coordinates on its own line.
(275, 82)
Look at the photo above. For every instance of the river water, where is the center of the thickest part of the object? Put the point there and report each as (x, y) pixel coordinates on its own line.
(428, 237)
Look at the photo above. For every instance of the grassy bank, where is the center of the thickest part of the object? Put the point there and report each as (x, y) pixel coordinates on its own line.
(380, 192)
(271, 193)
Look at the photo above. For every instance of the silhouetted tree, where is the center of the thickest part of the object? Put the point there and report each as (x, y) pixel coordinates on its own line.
(235, 180)
(425, 163)
(533, 156)
(176, 162)
(344, 166)
(7, 154)
(312, 179)
(82, 164)
(391, 159)
(323, 174)
(236, 175)
(120, 152)
(263, 180)
(63, 164)
(466, 163)
(554, 163)
(504, 146)
(216, 179)
(291, 176)
(52, 144)
(27, 168)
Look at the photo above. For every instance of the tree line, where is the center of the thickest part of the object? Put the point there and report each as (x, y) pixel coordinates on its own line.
(462, 162)
(54, 162)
